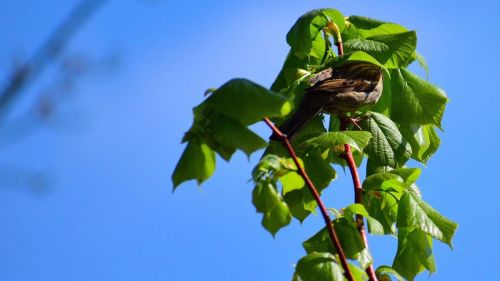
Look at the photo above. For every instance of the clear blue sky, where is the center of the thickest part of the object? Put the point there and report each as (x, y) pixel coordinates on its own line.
(109, 212)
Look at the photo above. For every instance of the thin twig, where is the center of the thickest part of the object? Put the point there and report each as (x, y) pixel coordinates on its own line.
(331, 231)
(47, 52)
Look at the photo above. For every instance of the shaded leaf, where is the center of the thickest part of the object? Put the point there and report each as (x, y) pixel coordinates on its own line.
(423, 139)
(247, 102)
(232, 134)
(301, 202)
(305, 36)
(387, 146)
(350, 239)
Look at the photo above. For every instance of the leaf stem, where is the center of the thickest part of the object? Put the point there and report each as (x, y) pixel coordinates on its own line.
(331, 231)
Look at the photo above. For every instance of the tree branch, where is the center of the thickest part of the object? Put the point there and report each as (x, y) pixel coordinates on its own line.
(358, 188)
(358, 199)
(47, 52)
(331, 231)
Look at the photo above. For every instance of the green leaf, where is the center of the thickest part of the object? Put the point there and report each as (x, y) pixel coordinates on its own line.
(301, 202)
(392, 50)
(269, 202)
(291, 181)
(272, 166)
(358, 209)
(247, 102)
(197, 162)
(305, 37)
(319, 267)
(382, 206)
(385, 270)
(231, 134)
(416, 101)
(350, 239)
(358, 273)
(414, 212)
(363, 27)
(423, 139)
(357, 139)
(292, 63)
(387, 146)
(414, 253)
(423, 63)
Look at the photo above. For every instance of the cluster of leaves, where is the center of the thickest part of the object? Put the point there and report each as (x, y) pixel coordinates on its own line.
(400, 127)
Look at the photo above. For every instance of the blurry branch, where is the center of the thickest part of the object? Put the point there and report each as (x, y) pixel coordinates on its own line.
(47, 52)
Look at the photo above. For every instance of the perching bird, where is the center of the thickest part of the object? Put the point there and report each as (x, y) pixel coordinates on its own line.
(337, 91)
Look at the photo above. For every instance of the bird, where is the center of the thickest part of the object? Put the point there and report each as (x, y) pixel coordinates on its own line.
(336, 90)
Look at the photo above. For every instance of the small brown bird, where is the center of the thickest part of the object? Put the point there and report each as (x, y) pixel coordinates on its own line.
(337, 91)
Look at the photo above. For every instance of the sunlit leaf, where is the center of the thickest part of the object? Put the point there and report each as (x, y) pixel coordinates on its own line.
(319, 267)
(197, 162)
(414, 253)
(363, 27)
(414, 212)
(392, 50)
(269, 202)
(357, 139)
(385, 270)
(416, 101)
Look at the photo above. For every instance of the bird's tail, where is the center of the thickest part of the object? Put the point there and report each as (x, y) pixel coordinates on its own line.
(299, 119)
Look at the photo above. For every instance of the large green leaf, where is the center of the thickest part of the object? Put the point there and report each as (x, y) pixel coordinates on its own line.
(382, 193)
(363, 27)
(414, 253)
(423, 139)
(350, 239)
(292, 63)
(387, 146)
(197, 162)
(305, 37)
(413, 212)
(414, 100)
(318, 267)
(358, 209)
(233, 135)
(247, 102)
(300, 201)
(269, 202)
(392, 50)
(357, 139)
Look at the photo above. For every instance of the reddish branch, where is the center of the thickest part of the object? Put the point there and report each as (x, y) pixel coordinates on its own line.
(358, 188)
(358, 196)
(331, 231)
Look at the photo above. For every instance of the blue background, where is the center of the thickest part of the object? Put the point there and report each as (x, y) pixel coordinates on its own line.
(87, 195)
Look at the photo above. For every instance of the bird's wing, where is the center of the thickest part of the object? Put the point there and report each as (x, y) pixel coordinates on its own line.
(336, 85)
